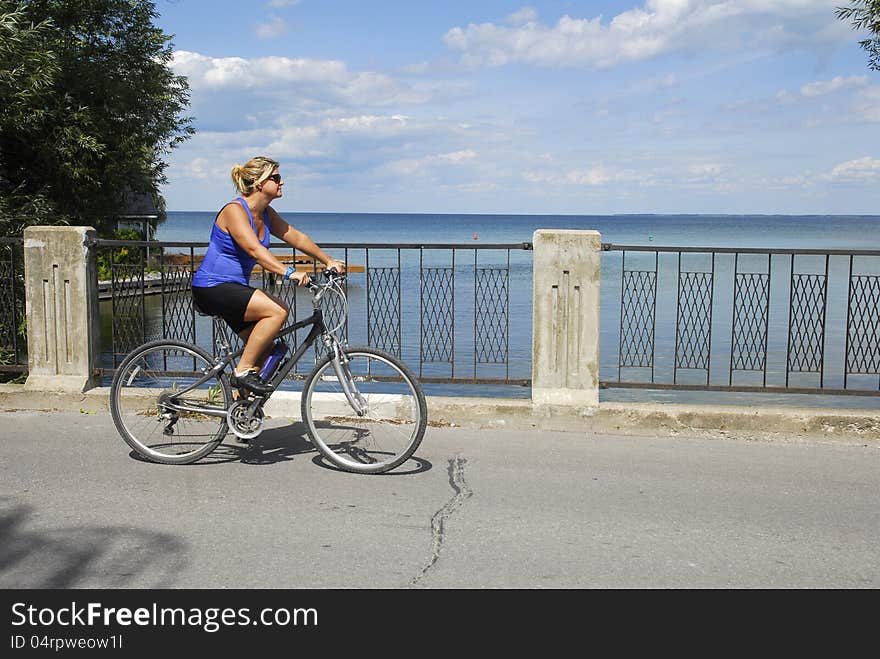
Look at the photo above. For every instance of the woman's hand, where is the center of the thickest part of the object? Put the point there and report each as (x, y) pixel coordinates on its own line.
(335, 264)
(300, 278)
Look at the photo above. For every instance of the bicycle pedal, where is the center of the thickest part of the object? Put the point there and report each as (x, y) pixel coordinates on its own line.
(252, 383)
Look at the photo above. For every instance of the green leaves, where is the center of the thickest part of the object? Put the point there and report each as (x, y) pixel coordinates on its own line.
(865, 15)
(88, 108)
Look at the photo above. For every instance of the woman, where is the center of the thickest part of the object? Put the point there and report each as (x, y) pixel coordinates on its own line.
(239, 239)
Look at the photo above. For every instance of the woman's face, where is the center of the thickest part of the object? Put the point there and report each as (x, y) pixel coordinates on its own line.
(272, 185)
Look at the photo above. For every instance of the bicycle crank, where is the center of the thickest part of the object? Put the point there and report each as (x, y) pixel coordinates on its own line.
(245, 419)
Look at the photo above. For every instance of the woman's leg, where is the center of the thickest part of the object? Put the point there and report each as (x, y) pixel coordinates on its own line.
(269, 314)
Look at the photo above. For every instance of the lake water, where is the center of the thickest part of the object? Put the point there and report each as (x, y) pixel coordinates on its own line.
(761, 231)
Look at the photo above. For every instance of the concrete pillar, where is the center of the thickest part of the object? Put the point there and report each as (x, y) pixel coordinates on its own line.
(61, 298)
(565, 323)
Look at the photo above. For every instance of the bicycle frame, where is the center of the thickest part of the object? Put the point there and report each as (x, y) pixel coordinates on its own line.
(316, 320)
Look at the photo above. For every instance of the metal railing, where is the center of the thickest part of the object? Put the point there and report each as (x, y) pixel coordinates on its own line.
(772, 320)
(444, 309)
(13, 346)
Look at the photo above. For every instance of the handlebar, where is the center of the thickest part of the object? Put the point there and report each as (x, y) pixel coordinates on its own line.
(331, 274)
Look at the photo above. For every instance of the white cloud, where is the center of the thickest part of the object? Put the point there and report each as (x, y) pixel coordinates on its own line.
(867, 104)
(859, 170)
(784, 96)
(472, 188)
(524, 16)
(198, 168)
(822, 87)
(219, 72)
(366, 123)
(323, 79)
(294, 137)
(410, 166)
(597, 175)
(458, 156)
(271, 29)
(379, 89)
(786, 182)
(865, 170)
(283, 3)
(661, 26)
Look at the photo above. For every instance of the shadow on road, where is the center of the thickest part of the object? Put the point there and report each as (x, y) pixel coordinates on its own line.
(280, 445)
(84, 557)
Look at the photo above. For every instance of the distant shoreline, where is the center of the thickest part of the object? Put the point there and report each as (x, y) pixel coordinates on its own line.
(532, 215)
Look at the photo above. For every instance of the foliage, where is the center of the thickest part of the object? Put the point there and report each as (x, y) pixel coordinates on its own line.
(120, 255)
(88, 109)
(215, 396)
(27, 74)
(865, 15)
(13, 319)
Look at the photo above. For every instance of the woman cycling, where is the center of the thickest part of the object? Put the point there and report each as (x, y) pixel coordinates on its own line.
(239, 240)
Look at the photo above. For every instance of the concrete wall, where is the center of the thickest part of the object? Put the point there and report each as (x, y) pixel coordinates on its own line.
(565, 323)
(61, 304)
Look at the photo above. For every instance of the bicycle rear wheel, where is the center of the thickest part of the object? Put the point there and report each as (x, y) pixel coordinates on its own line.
(394, 419)
(143, 402)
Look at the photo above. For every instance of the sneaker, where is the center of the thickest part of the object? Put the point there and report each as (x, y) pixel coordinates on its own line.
(252, 382)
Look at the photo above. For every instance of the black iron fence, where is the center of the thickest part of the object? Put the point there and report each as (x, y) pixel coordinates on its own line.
(445, 309)
(695, 318)
(13, 345)
(775, 320)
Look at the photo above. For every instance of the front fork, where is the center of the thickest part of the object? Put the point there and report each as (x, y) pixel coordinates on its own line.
(346, 380)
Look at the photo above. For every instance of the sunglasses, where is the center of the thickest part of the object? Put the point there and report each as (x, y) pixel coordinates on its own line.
(275, 177)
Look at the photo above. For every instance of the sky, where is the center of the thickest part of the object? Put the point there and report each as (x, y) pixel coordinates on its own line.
(552, 107)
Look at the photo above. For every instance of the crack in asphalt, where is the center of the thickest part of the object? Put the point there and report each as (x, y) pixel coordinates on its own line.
(438, 521)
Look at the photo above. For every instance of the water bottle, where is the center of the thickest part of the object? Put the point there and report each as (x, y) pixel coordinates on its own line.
(272, 361)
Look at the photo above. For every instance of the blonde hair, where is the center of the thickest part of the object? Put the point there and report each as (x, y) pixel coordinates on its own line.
(254, 171)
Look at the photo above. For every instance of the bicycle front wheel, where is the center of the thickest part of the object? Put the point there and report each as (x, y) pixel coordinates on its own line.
(160, 424)
(392, 419)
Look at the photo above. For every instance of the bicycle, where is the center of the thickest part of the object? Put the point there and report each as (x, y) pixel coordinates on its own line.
(363, 408)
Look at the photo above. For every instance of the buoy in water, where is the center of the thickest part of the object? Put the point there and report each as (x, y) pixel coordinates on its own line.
(476, 237)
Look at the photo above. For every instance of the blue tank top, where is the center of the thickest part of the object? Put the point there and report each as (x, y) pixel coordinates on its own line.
(225, 261)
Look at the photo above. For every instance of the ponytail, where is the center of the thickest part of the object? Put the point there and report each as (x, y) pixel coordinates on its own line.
(256, 170)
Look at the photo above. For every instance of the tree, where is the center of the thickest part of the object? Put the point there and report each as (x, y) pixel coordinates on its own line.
(865, 15)
(27, 73)
(88, 109)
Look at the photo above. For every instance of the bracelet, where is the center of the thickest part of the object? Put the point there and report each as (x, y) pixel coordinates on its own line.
(290, 270)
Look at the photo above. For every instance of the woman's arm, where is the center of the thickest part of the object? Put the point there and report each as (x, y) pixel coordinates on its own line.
(301, 241)
(238, 226)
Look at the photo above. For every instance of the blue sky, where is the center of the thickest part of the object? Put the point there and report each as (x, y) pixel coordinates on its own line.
(641, 106)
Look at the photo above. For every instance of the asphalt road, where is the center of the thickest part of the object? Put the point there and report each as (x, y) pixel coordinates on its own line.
(486, 509)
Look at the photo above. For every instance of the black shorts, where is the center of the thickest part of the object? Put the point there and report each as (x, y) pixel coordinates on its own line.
(228, 300)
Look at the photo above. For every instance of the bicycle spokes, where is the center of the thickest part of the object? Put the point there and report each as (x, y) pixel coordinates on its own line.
(167, 405)
(365, 412)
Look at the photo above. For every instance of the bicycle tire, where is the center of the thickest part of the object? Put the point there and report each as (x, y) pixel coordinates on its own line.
(206, 432)
(388, 433)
